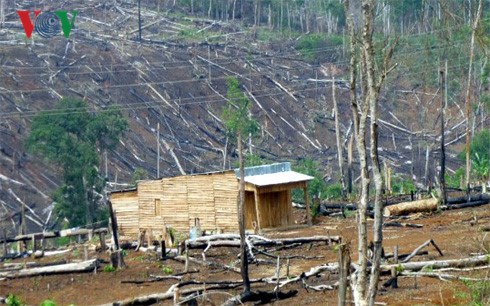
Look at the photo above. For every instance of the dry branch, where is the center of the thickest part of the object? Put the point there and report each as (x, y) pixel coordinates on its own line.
(423, 245)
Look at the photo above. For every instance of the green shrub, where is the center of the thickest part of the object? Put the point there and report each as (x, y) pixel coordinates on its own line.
(314, 46)
(479, 292)
(401, 185)
(13, 300)
(109, 268)
(48, 303)
(333, 191)
(167, 270)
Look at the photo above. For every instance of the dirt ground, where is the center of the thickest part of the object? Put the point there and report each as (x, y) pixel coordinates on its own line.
(456, 232)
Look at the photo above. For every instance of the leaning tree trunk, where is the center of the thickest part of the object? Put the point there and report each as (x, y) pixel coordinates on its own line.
(241, 219)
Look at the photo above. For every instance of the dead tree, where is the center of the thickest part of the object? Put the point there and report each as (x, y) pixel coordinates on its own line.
(474, 27)
(442, 179)
(339, 146)
(372, 79)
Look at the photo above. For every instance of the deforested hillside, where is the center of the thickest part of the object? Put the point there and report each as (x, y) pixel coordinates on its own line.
(170, 72)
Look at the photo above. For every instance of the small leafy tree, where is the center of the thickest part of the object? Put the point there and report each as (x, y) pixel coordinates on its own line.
(317, 186)
(68, 136)
(239, 122)
(481, 169)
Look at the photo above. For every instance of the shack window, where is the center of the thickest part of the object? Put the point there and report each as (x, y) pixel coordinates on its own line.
(157, 208)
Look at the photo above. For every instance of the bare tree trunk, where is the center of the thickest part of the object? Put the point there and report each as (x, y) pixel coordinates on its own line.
(468, 90)
(225, 153)
(233, 12)
(339, 146)
(372, 100)
(241, 221)
(359, 280)
(442, 179)
(349, 164)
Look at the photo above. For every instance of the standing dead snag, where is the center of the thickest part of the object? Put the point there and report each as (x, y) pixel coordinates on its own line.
(474, 27)
(117, 260)
(340, 158)
(372, 80)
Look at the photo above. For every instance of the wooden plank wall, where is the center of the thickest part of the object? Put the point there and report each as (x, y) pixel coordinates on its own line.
(250, 215)
(278, 208)
(275, 209)
(210, 197)
(148, 191)
(225, 187)
(200, 200)
(125, 205)
(175, 211)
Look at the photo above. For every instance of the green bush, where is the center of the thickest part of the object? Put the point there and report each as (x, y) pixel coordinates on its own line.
(316, 187)
(401, 185)
(333, 191)
(314, 47)
(109, 268)
(454, 180)
(479, 292)
(48, 303)
(13, 300)
(167, 270)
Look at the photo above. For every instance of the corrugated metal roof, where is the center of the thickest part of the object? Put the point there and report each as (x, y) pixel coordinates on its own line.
(265, 169)
(277, 178)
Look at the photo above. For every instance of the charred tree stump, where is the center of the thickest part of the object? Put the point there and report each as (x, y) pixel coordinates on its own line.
(117, 260)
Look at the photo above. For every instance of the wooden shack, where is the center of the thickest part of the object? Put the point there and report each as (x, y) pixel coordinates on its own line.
(211, 198)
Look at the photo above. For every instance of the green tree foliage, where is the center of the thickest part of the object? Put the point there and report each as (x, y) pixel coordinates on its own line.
(239, 122)
(481, 144)
(316, 187)
(236, 115)
(69, 137)
(138, 175)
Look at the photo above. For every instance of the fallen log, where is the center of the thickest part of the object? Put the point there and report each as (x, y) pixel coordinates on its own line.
(437, 264)
(465, 205)
(406, 208)
(443, 276)
(84, 266)
(151, 279)
(19, 266)
(262, 297)
(464, 199)
(153, 298)
(401, 224)
(203, 243)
